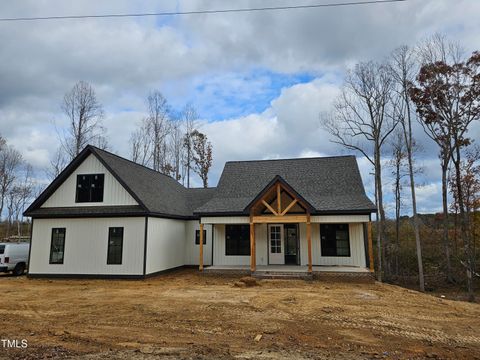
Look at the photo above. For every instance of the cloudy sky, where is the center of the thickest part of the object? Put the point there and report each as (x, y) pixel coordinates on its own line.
(259, 80)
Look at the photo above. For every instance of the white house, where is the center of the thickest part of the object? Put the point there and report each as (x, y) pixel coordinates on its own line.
(105, 216)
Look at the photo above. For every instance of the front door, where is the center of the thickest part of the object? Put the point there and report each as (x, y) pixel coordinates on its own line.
(276, 255)
(291, 244)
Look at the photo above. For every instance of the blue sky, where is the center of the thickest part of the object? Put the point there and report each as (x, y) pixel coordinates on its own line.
(258, 80)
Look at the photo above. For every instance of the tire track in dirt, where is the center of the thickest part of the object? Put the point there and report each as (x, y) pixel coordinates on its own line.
(401, 330)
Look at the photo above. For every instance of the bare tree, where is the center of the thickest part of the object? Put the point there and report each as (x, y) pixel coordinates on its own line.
(404, 67)
(439, 48)
(359, 122)
(17, 198)
(150, 141)
(201, 155)
(85, 116)
(190, 118)
(10, 160)
(57, 164)
(176, 148)
(141, 144)
(159, 128)
(397, 163)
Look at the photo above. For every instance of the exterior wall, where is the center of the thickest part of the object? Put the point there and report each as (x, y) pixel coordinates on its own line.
(114, 193)
(192, 251)
(86, 244)
(165, 244)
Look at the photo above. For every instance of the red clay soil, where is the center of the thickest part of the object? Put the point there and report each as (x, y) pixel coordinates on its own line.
(189, 316)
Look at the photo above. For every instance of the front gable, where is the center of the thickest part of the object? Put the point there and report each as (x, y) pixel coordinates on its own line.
(278, 198)
(114, 194)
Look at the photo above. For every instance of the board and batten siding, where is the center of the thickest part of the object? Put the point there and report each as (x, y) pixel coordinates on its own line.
(113, 192)
(86, 245)
(165, 244)
(192, 251)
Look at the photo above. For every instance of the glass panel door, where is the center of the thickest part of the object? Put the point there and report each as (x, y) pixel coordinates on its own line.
(275, 245)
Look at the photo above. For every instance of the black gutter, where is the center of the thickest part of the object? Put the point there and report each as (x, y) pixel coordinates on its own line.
(145, 247)
(30, 247)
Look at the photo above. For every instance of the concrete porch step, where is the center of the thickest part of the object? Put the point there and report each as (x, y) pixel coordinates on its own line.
(282, 275)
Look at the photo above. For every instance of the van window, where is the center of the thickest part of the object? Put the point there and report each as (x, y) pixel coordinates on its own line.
(2, 249)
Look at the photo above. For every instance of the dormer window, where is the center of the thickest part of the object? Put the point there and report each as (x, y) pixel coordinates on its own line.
(89, 188)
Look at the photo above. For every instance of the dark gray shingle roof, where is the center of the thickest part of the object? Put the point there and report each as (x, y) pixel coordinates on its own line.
(329, 184)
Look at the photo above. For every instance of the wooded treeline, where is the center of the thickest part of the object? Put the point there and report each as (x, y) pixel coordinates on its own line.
(17, 188)
(435, 85)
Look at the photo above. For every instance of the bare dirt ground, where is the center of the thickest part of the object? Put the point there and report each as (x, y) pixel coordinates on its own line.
(189, 316)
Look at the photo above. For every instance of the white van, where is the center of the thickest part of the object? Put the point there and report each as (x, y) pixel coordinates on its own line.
(14, 257)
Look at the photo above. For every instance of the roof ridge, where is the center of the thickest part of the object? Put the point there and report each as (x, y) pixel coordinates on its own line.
(300, 158)
(135, 163)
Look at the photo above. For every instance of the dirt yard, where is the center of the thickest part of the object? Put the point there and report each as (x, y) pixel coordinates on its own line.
(189, 316)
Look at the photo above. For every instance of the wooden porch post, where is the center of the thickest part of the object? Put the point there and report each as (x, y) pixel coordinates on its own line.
(370, 247)
(253, 260)
(200, 266)
(309, 242)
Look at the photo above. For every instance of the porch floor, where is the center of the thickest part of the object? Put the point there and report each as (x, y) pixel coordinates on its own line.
(287, 268)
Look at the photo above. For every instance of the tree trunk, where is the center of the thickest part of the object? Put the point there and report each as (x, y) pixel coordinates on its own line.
(188, 164)
(421, 278)
(409, 140)
(445, 221)
(397, 227)
(464, 228)
(380, 216)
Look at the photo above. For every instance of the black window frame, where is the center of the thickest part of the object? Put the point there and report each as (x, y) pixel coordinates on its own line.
(329, 240)
(91, 193)
(117, 259)
(56, 231)
(236, 243)
(197, 237)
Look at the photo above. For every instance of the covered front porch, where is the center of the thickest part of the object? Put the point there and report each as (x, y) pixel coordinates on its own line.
(281, 236)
